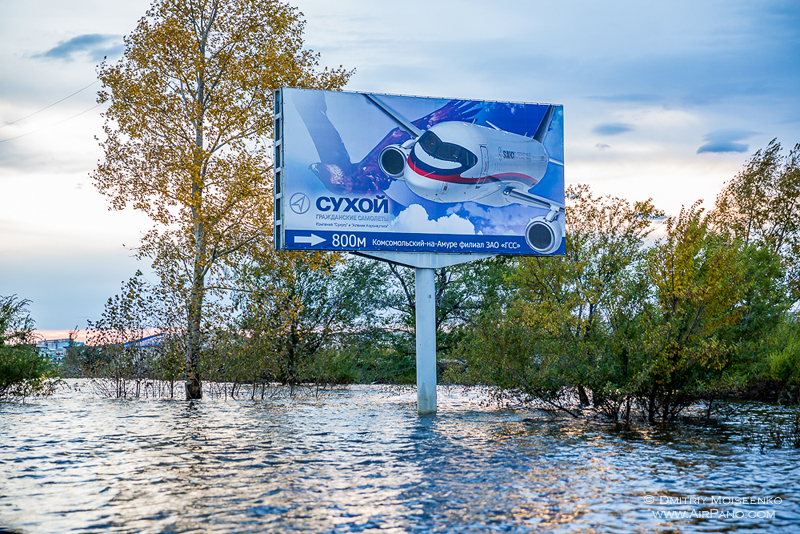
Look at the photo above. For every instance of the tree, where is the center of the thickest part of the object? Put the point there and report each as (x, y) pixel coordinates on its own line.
(700, 285)
(784, 356)
(115, 355)
(23, 371)
(761, 205)
(588, 299)
(462, 291)
(301, 304)
(566, 328)
(190, 109)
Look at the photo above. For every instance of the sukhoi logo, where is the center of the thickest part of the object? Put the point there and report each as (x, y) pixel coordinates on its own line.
(300, 203)
(513, 154)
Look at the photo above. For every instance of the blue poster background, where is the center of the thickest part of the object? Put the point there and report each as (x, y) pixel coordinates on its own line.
(333, 185)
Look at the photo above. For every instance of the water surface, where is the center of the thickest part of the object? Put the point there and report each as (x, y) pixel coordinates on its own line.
(362, 460)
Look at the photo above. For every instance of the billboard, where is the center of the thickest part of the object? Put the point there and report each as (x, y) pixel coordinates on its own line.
(376, 172)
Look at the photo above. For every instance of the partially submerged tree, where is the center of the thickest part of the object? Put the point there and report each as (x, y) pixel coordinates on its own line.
(23, 371)
(761, 206)
(700, 284)
(587, 300)
(187, 132)
(301, 305)
(133, 342)
(567, 327)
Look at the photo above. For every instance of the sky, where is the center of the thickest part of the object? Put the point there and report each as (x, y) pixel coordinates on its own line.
(661, 99)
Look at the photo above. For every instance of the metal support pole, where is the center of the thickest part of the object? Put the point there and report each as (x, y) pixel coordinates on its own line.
(424, 264)
(426, 340)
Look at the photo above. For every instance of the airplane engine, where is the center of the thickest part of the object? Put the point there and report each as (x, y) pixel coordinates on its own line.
(543, 235)
(392, 161)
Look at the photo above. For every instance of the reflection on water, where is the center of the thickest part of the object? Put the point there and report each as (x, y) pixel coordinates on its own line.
(362, 460)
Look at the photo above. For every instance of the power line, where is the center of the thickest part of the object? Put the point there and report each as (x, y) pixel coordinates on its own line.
(51, 125)
(46, 107)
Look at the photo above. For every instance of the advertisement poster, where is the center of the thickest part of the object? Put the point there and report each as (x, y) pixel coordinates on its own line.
(373, 172)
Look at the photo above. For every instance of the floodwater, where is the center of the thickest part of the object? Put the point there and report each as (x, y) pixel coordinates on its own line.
(362, 460)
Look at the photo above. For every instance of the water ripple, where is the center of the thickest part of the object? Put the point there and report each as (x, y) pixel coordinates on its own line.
(362, 460)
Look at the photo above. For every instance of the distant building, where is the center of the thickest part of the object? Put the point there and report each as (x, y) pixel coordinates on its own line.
(56, 349)
(155, 340)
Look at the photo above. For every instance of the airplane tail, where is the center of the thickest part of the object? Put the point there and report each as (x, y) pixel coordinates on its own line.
(544, 126)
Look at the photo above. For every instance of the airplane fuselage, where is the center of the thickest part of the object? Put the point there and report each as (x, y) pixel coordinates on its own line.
(460, 161)
(457, 161)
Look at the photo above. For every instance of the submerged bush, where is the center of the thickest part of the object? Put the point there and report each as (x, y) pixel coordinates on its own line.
(23, 370)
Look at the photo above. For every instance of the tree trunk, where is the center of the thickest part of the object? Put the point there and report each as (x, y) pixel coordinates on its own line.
(584, 398)
(194, 389)
(291, 357)
(665, 415)
(651, 409)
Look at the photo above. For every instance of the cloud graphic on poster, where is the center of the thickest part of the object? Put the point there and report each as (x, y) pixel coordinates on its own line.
(508, 220)
(414, 219)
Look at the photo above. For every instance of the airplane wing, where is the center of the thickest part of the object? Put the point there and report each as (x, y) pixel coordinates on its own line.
(529, 199)
(401, 121)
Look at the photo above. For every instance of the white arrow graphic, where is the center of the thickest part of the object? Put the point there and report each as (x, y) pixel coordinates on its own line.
(312, 239)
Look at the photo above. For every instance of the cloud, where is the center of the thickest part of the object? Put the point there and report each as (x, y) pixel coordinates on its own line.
(724, 146)
(612, 128)
(94, 45)
(721, 141)
(414, 219)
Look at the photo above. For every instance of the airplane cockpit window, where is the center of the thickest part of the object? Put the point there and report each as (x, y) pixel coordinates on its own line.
(430, 142)
(434, 146)
(467, 158)
(448, 152)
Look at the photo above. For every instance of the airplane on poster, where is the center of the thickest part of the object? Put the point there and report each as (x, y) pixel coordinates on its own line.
(455, 161)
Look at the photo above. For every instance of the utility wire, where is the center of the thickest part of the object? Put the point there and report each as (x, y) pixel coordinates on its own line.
(47, 107)
(51, 125)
